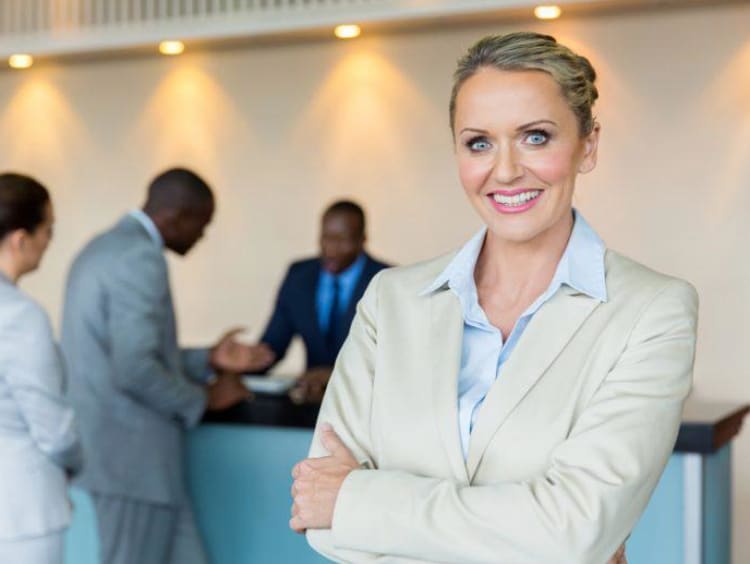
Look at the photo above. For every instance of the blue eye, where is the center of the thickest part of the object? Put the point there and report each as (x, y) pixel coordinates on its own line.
(537, 137)
(478, 144)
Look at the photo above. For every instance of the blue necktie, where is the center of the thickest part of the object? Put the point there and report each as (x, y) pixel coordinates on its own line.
(334, 318)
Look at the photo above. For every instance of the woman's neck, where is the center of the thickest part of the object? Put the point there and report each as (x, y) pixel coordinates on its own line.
(513, 268)
(7, 269)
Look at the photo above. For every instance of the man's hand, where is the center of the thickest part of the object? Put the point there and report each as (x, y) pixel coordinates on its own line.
(317, 482)
(311, 386)
(228, 355)
(225, 392)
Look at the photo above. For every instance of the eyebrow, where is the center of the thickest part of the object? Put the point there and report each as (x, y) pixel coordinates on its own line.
(519, 128)
(533, 123)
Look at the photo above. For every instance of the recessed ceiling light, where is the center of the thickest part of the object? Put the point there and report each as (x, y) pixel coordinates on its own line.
(547, 12)
(348, 31)
(171, 47)
(20, 61)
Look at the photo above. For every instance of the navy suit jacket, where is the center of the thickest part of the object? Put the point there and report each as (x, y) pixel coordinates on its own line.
(295, 312)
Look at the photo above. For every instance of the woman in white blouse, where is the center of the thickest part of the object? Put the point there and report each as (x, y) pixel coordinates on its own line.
(39, 447)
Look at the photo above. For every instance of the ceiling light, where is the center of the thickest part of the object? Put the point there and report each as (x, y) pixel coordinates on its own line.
(547, 12)
(348, 31)
(20, 61)
(171, 47)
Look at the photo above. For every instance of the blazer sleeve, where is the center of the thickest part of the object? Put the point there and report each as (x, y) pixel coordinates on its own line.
(195, 362)
(35, 376)
(280, 329)
(138, 307)
(578, 511)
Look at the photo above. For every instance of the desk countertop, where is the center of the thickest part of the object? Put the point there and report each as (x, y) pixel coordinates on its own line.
(706, 426)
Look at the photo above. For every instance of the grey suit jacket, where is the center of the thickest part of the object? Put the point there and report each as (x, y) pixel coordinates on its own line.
(135, 390)
(38, 437)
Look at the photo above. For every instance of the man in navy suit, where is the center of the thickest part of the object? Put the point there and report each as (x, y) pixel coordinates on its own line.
(318, 297)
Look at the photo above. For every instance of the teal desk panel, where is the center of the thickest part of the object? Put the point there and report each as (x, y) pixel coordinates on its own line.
(716, 515)
(658, 536)
(82, 540)
(240, 480)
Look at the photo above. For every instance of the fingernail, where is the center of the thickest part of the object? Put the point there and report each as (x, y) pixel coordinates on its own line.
(326, 427)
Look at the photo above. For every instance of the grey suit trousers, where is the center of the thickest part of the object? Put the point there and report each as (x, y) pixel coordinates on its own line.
(135, 532)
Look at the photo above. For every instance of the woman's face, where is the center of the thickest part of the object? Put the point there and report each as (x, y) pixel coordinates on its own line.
(519, 150)
(35, 243)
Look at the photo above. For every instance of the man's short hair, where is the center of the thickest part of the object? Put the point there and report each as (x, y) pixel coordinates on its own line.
(178, 188)
(350, 207)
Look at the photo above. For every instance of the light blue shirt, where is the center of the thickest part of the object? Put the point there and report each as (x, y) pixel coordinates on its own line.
(148, 225)
(347, 283)
(484, 352)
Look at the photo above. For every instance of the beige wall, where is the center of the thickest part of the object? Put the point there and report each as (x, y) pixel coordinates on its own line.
(281, 131)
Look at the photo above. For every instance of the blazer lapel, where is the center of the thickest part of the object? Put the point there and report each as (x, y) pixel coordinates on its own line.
(544, 338)
(444, 350)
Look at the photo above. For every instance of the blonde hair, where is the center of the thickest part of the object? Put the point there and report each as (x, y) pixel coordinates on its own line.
(533, 51)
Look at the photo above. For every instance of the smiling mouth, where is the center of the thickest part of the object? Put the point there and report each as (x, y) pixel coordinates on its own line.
(516, 200)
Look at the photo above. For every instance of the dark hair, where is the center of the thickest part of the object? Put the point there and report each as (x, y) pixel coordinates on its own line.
(22, 203)
(526, 50)
(178, 188)
(350, 207)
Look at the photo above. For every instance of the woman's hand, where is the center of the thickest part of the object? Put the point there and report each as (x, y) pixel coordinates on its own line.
(317, 482)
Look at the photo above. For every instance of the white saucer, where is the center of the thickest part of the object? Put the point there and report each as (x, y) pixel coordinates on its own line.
(275, 385)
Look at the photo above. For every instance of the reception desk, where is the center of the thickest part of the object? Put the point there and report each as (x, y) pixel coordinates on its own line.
(239, 464)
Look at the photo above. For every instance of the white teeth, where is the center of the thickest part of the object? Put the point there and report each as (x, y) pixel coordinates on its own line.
(517, 199)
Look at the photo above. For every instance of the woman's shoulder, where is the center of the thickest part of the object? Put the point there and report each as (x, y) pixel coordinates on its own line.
(21, 310)
(628, 279)
(416, 276)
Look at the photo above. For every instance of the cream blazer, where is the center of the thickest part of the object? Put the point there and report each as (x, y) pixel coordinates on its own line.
(568, 446)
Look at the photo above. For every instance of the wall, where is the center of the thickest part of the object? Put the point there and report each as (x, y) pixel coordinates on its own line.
(280, 131)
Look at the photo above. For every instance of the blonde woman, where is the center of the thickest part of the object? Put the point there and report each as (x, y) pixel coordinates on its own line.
(515, 401)
(39, 445)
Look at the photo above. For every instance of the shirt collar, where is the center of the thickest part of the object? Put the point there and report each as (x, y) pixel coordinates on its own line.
(581, 266)
(350, 274)
(148, 225)
(461, 266)
(583, 261)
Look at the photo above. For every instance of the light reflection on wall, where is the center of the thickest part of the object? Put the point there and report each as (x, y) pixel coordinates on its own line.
(188, 119)
(726, 98)
(41, 135)
(354, 120)
(37, 129)
(622, 105)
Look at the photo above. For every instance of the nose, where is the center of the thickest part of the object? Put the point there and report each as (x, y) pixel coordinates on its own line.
(332, 252)
(507, 164)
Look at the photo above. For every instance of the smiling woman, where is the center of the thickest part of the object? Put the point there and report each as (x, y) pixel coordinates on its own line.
(515, 401)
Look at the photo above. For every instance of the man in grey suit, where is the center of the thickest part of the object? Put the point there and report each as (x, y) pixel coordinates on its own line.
(134, 389)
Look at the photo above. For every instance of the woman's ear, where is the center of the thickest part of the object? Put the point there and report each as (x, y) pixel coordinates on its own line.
(590, 147)
(16, 240)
